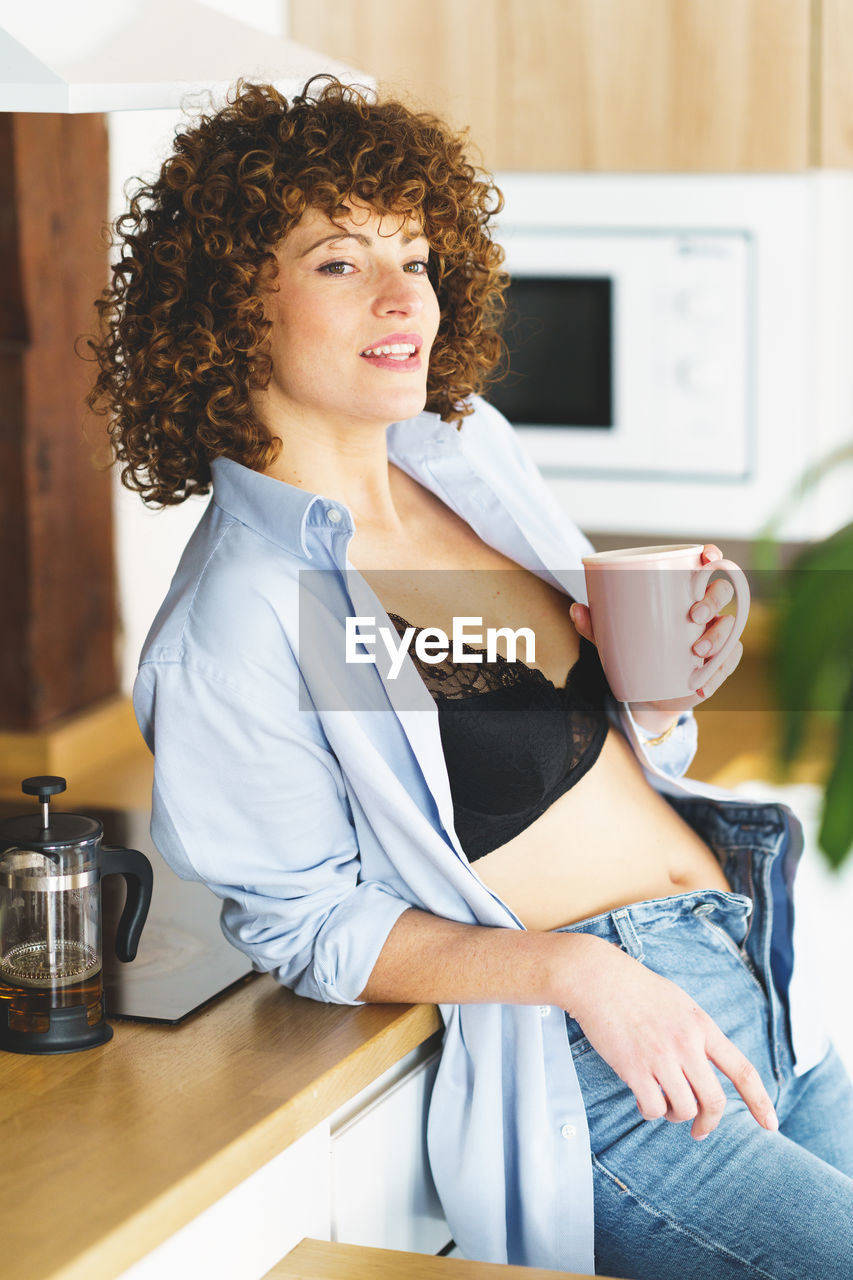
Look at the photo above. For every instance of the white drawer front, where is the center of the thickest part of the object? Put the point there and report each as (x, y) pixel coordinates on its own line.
(244, 1234)
(382, 1190)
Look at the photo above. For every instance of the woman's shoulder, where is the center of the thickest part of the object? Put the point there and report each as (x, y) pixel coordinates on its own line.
(232, 596)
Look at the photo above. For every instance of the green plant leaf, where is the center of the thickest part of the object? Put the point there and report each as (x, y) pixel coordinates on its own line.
(813, 650)
(836, 829)
(813, 660)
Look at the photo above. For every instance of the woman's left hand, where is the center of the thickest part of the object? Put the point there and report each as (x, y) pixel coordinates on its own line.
(658, 716)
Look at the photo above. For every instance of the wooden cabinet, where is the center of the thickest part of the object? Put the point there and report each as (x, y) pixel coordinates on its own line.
(616, 85)
(833, 56)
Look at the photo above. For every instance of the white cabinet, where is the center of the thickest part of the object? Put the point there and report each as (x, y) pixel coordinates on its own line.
(244, 1234)
(361, 1177)
(382, 1190)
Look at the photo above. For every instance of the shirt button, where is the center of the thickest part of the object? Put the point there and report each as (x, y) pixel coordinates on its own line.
(334, 516)
(568, 1131)
(544, 1010)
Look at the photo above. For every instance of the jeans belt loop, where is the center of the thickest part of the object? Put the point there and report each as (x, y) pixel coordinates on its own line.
(627, 933)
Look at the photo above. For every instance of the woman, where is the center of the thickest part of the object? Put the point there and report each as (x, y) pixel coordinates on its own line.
(297, 284)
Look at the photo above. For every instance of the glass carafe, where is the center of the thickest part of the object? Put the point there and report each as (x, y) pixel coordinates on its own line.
(51, 989)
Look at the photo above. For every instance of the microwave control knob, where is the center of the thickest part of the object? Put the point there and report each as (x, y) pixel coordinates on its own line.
(702, 306)
(698, 376)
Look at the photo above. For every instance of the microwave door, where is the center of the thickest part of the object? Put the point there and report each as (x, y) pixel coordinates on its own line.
(559, 336)
(627, 350)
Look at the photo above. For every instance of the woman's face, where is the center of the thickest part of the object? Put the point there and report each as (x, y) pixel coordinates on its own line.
(353, 320)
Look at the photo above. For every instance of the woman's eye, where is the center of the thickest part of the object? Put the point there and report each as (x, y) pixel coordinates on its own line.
(417, 268)
(337, 268)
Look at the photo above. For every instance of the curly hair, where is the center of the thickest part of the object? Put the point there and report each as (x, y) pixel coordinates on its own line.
(183, 331)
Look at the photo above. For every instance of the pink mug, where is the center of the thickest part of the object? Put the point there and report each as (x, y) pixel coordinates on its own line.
(639, 603)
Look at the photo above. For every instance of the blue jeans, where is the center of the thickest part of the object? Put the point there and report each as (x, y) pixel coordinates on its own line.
(745, 1202)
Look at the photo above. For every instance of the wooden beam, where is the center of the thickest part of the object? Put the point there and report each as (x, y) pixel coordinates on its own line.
(57, 589)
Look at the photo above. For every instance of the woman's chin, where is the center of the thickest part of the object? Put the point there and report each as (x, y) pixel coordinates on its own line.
(399, 405)
(413, 402)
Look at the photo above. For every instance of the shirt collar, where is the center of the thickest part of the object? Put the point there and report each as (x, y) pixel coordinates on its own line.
(293, 518)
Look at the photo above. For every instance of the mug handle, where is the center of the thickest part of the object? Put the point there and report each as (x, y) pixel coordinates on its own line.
(738, 579)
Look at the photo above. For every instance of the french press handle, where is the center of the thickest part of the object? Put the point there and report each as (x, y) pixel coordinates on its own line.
(139, 879)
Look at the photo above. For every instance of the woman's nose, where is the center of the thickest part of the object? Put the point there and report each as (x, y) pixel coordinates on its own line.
(398, 293)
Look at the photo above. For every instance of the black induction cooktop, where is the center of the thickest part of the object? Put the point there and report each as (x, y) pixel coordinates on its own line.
(183, 959)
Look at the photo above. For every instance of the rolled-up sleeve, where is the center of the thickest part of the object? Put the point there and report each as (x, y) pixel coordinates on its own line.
(249, 799)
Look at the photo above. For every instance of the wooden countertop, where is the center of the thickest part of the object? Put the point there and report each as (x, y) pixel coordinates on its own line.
(108, 1152)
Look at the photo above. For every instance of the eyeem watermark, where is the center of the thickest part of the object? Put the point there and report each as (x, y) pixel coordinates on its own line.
(433, 645)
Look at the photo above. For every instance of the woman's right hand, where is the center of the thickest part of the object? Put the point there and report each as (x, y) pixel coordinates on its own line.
(658, 1040)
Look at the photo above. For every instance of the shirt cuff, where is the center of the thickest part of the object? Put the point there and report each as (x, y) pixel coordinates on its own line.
(671, 757)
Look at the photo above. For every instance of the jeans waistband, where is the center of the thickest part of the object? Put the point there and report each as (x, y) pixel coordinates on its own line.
(729, 825)
(637, 916)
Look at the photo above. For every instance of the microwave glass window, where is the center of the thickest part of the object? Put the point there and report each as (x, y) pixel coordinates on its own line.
(559, 332)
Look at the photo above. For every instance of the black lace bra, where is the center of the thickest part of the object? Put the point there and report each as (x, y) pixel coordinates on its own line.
(513, 742)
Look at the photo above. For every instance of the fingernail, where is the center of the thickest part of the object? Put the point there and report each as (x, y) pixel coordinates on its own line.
(704, 646)
(771, 1121)
(701, 613)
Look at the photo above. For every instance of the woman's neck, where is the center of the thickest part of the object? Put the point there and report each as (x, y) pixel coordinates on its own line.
(349, 464)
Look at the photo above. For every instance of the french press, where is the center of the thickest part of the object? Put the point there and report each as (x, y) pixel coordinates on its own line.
(51, 987)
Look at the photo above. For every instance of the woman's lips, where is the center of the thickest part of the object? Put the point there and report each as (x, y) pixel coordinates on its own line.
(400, 363)
(396, 351)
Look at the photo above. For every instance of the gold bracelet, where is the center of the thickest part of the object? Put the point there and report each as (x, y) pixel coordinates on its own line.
(662, 737)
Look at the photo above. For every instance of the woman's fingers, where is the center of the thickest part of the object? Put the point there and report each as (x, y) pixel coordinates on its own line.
(662, 1044)
(710, 1099)
(706, 687)
(580, 616)
(651, 1103)
(681, 1099)
(714, 637)
(694, 1092)
(743, 1076)
(718, 595)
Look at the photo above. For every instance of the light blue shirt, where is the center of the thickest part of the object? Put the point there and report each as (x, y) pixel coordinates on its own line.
(319, 822)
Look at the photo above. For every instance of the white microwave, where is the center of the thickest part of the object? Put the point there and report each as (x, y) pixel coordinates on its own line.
(665, 365)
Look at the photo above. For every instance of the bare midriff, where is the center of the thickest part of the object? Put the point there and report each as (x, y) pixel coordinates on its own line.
(610, 840)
